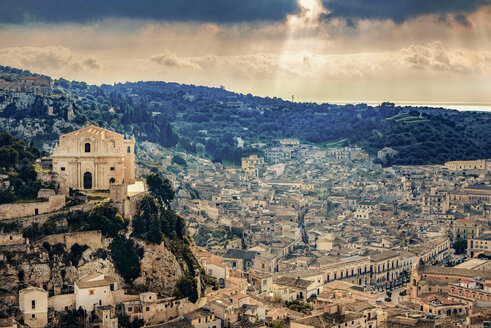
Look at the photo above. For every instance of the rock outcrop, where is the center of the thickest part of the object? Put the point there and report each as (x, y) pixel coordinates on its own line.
(160, 269)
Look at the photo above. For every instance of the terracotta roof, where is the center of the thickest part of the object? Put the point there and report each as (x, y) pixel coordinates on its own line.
(327, 320)
(293, 282)
(437, 270)
(86, 283)
(359, 306)
(383, 256)
(440, 298)
(31, 289)
(94, 130)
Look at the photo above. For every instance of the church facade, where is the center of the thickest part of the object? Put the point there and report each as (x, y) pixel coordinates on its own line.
(94, 158)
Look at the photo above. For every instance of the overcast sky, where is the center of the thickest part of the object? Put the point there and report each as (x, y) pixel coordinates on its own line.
(319, 50)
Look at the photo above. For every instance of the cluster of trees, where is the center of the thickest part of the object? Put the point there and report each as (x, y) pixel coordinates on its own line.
(52, 226)
(416, 135)
(179, 160)
(299, 306)
(16, 72)
(126, 256)
(155, 219)
(153, 222)
(220, 234)
(103, 217)
(17, 159)
(156, 222)
(205, 123)
(105, 107)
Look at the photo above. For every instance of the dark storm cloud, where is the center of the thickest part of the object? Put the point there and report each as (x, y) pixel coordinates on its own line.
(81, 11)
(400, 10)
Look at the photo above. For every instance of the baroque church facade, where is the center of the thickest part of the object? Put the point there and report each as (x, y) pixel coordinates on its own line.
(93, 158)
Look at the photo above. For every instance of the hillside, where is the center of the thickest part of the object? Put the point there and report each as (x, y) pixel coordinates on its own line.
(209, 120)
(151, 252)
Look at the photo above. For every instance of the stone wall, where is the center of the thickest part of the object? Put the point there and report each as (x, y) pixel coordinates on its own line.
(18, 210)
(167, 310)
(124, 201)
(11, 238)
(93, 239)
(62, 302)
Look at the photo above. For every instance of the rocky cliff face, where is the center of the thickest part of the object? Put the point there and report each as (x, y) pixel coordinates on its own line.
(53, 270)
(42, 118)
(160, 269)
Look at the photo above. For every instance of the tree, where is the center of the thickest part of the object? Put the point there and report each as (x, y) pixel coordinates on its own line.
(106, 218)
(187, 287)
(179, 160)
(126, 258)
(146, 223)
(76, 253)
(460, 246)
(161, 188)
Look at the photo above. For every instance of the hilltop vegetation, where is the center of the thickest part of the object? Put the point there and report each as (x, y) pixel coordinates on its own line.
(209, 121)
(19, 179)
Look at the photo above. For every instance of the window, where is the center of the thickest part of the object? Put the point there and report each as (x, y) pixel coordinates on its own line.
(112, 180)
(130, 308)
(128, 149)
(33, 304)
(62, 168)
(33, 316)
(112, 168)
(36, 211)
(91, 292)
(111, 287)
(147, 309)
(87, 147)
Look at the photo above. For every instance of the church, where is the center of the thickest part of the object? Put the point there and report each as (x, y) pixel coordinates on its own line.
(94, 158)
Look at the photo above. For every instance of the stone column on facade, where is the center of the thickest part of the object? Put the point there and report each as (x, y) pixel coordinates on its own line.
(96, 180)
(79, 174)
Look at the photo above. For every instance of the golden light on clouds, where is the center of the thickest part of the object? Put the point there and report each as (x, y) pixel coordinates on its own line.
(425, 58)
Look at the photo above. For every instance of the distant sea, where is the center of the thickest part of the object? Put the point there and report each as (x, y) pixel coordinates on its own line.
(477, 106)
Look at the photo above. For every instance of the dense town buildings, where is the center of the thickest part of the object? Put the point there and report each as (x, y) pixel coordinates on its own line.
(314, 238)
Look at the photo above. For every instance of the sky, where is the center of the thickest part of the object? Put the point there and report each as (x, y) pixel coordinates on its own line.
(316, 50)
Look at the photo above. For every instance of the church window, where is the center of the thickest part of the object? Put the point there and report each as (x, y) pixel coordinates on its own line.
(112, 180)
(128, 149)
(87, 147)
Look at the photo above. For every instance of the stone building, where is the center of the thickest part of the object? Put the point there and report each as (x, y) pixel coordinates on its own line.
(478, 164)
(30, 84)
(94, 158)
(466, 229)
(33, 302)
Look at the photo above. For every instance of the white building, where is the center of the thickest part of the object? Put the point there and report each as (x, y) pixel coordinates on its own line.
(33, 302)
(94, 290)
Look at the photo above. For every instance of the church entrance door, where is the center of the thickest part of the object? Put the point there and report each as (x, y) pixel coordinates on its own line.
(87, 180)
